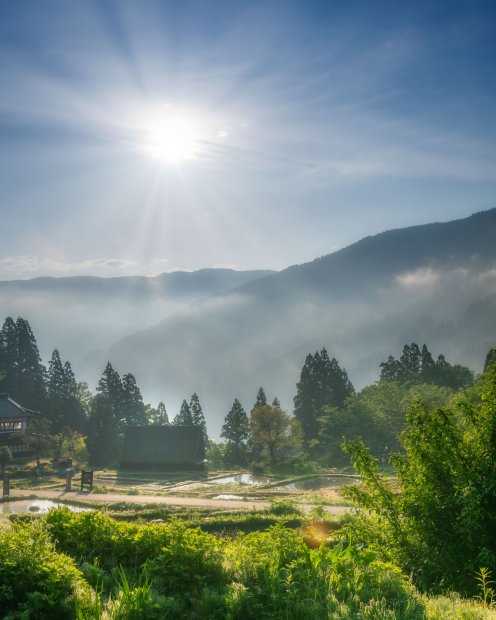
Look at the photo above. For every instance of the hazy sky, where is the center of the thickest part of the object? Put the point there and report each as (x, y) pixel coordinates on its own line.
(152, 135)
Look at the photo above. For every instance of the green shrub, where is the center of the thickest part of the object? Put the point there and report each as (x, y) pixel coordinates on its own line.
(441, 525)
(35, 581)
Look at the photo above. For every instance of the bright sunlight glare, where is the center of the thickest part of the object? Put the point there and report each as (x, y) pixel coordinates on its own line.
(173, 138)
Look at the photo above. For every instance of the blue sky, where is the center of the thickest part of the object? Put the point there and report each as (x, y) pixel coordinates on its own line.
(140, 137)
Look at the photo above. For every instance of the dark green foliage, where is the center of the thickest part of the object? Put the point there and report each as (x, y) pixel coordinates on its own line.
(377, 414)
(22, 375)
(184, 417)
(419, 367)
(490, 359)
(441, 526)
(106, 419)
(5, 458)
(235, 430)
(261, 398)
(197, 415)
(63, 407)
(39, 439)
(162, 417)
(133, 409)
(158, 416)
(322, 384)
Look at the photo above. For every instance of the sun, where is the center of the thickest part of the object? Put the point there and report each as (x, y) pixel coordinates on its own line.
(172, 139)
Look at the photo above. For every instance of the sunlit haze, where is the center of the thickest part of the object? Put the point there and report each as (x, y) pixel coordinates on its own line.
(138, 138)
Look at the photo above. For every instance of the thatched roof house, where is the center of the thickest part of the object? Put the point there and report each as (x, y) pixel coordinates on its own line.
(163, 447)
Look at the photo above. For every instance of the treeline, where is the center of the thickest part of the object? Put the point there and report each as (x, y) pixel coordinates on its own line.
(68, 407)
(326, 405)
(327, 408)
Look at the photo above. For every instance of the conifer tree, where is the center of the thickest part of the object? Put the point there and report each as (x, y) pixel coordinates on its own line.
(105, 427)
(235, 430)
(276, 403)
(322, 384)
(197, 415)
(30, 388)
(8, 357)
(133, 408)
(56, 391)
(184, 417)
(162, 417)
(261, 398)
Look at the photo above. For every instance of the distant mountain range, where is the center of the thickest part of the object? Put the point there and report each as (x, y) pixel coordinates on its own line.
(223, 333)
(84, 315)
(434, 283)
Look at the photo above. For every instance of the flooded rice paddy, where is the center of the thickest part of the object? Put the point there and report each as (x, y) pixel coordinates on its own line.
(36, 506)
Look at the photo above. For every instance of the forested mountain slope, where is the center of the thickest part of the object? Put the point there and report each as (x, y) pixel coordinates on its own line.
(431, 283)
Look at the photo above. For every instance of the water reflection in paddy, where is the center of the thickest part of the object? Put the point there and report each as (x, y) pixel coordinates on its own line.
(242, 479)
(36, 506)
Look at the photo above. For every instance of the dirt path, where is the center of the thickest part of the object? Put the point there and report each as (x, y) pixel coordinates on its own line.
(197, 502)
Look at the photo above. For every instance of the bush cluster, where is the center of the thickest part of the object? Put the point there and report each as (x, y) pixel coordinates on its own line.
(88, 565)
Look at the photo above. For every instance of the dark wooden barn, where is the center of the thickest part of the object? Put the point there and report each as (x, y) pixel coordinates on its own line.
(164, 448)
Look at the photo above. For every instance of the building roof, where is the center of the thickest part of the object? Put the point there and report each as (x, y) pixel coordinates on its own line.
(163, 446)
(9, 408)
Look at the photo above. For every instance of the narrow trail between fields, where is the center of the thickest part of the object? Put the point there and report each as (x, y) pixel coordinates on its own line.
(171, 500)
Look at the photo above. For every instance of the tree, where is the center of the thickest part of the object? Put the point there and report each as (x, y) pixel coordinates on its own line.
(106, 418)
(5, 457)
(197, 415)
(418, 366)
(276, 403)
(158, 416)
(235, 430)
(378, 415)
(63, 405)
(21, 372)
(184, 417)
(261, 398)
(39, 439)
(71, 445)
(30, 371)
(438, 523)
(272, 430)
(133, 409)
(490, 359)
(322, 384)
(8, 357)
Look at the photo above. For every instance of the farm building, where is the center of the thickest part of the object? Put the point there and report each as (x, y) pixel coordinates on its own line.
(164, 447)
(14, 418)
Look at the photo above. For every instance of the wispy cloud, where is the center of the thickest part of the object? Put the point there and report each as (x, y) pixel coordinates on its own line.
(29, 266)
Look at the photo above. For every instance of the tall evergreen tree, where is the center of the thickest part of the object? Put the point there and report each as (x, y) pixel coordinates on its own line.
(8, 357)
(160, 416)
(417, 366)
(55, 391)
(276, 403)
(323, 383)
(133, 408)
(30, 371)
(75, 416)
(184, 417)
(197, 415)
(261, 398)
(235, 430)
(105, 425)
